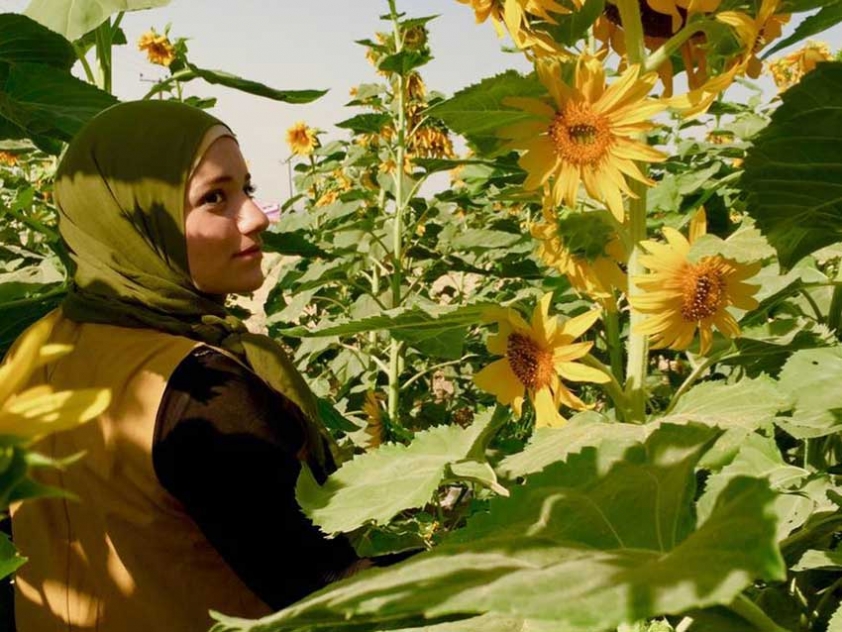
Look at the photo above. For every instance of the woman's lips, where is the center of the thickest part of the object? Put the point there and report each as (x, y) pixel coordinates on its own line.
(249, 252)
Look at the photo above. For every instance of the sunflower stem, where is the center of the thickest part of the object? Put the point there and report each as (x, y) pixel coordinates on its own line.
(748, 610)
(637, 359)
(615, 345)
(613, 388)
(662, 55)
(396, 348)
(633, 30)
(691, 380)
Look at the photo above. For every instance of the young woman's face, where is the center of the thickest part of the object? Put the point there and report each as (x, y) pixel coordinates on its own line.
(222, 223)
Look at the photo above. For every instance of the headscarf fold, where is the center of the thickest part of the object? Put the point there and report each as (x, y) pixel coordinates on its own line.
(120, 190)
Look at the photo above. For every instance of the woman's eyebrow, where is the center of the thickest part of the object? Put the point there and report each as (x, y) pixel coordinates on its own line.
(224, 178)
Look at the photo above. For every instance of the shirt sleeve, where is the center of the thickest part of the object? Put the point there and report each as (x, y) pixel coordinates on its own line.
(225, 446)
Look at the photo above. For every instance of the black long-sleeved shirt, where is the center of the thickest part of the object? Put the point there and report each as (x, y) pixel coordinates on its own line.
(225, 446)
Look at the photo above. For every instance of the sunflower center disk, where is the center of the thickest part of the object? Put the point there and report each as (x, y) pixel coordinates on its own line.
(532, 365)
(581, 136)
(703, 292)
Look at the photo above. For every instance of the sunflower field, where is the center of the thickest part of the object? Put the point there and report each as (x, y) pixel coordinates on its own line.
(593, 381)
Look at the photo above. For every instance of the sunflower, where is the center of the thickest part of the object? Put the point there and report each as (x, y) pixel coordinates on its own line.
(584, 248)
(301, 139)
(374, 428)
(536, 355)
(586, 134)
(755, 33)
(429, 141)
(680, 295)
(789, 70)
(159, 49)
(8, 159)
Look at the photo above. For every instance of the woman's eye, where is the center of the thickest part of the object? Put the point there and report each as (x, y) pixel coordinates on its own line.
(250, 189)
(213, 197)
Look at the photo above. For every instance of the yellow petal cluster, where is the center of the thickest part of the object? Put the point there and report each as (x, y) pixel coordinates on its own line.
(30, 413)
(536, 355)
(374, 428)
(159, 49)
(8, 159)
(755, 32)
(301, 139)
(680, 296)
(789, 70)
(587, 133)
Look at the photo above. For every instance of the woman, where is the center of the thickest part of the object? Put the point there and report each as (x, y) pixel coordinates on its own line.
(185, 494)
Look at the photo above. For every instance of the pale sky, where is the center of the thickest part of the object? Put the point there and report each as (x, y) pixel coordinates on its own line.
(304, 45)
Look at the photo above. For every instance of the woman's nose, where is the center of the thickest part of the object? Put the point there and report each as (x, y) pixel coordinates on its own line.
(252, 218)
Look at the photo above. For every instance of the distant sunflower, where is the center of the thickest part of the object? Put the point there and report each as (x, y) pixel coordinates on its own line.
(536, 356)
(587, 134)
(302, 140)
(374, 428)
(680, 296)
(159, 49)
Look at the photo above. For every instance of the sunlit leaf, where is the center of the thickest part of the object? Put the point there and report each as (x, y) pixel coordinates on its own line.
(375, 486)
(584, 549)
(793, 173)
(74, 18)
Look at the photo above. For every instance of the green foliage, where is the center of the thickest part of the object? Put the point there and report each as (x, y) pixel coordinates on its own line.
(41, 101)
(584, 547)
(479, 111)
(793, 172)
(74, 18)
(376, 486)
(251, 87)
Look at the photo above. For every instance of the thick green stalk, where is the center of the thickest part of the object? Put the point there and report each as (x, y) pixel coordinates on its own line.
(615, 348)
(749, 611)
(637, 346)
(103, 54)
(396, 348)
(633, 30)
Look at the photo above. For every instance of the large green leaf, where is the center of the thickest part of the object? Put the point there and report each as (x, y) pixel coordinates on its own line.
(748, 404)
(588, 429)
(584, 549)
(74, 18)
(45, 103)
(23, 40)
(811, 378)
(477, 111)
(793, 173)
(758, 457)
(376, 486)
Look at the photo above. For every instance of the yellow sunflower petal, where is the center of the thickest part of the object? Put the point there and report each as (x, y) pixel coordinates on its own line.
(499, 380)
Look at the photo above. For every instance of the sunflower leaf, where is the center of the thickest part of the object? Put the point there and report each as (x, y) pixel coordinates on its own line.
(605, 547)
(74, 18)
(376, 486)
(793, 173)
(477, 112)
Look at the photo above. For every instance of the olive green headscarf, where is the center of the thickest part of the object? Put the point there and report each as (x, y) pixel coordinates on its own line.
(120, 190)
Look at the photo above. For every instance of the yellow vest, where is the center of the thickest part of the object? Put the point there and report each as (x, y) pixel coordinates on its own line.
(125, 556)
